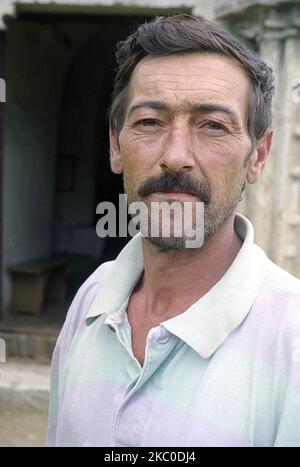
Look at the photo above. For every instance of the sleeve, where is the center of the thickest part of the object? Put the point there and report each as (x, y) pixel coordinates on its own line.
(54, 398)
(288, 432)
(59, 355)
(75, 317)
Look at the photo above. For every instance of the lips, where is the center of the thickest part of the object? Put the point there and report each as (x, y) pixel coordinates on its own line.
(175, 194)
(175, 190)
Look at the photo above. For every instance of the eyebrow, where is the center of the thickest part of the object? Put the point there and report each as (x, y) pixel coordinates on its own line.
(203, 107)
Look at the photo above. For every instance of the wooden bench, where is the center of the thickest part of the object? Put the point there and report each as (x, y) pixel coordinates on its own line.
(37, 280)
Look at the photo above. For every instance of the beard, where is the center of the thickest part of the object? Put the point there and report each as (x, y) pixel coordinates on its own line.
(215, 213)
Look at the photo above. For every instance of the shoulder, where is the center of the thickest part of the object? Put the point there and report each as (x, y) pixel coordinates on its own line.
(282, 289)
(81, 303)
(87, 292)
(281, 281)
(278, 303)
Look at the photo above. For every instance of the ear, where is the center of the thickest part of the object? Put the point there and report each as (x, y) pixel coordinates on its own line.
(116, 162)
(259, 158)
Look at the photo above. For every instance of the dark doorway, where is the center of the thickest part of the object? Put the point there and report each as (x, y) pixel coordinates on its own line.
(2, 107)
(84, 178)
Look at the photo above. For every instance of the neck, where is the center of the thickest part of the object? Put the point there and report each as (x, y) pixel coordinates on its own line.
(173, 281)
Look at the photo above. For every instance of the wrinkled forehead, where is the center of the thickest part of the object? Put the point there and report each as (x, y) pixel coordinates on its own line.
(182, 80)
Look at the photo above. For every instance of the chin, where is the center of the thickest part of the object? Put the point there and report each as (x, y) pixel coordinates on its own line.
(169, 244)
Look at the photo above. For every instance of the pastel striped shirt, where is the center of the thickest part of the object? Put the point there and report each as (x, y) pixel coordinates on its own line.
(226, 372)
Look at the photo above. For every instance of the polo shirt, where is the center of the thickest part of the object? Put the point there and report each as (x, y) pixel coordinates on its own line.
(225, 372)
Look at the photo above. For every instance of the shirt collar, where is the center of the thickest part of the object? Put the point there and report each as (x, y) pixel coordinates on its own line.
(208, 322)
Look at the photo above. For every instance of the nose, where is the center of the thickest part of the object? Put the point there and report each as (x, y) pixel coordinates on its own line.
(178, 153)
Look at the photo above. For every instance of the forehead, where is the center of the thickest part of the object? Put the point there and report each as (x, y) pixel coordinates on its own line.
(181, 80)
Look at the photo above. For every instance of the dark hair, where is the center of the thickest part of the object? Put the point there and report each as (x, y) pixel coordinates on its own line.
(182, 34)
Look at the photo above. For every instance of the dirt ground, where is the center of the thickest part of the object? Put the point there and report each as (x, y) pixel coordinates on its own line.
(22, 429)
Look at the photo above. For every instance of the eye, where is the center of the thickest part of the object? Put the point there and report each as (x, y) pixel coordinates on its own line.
(147, 122)
(215, 126)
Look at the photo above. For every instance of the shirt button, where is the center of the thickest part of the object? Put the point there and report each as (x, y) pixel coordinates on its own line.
(118, 317)
(110, 323)
(113, 320)
(164, 336)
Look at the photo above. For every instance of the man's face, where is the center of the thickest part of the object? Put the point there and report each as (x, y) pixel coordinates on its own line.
(185, 131)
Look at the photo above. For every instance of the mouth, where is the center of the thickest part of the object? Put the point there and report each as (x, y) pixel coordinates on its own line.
(176, 195)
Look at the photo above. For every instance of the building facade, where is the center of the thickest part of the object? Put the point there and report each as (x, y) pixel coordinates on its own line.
(58, 61)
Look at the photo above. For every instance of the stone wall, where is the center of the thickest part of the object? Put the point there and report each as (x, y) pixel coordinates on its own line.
(273, 204)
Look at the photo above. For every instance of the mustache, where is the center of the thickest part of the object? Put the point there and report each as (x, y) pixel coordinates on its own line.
(177, 182)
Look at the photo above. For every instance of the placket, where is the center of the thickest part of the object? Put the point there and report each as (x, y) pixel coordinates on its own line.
(135, 407)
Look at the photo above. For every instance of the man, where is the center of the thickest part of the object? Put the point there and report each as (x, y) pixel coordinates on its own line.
(176, 346)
